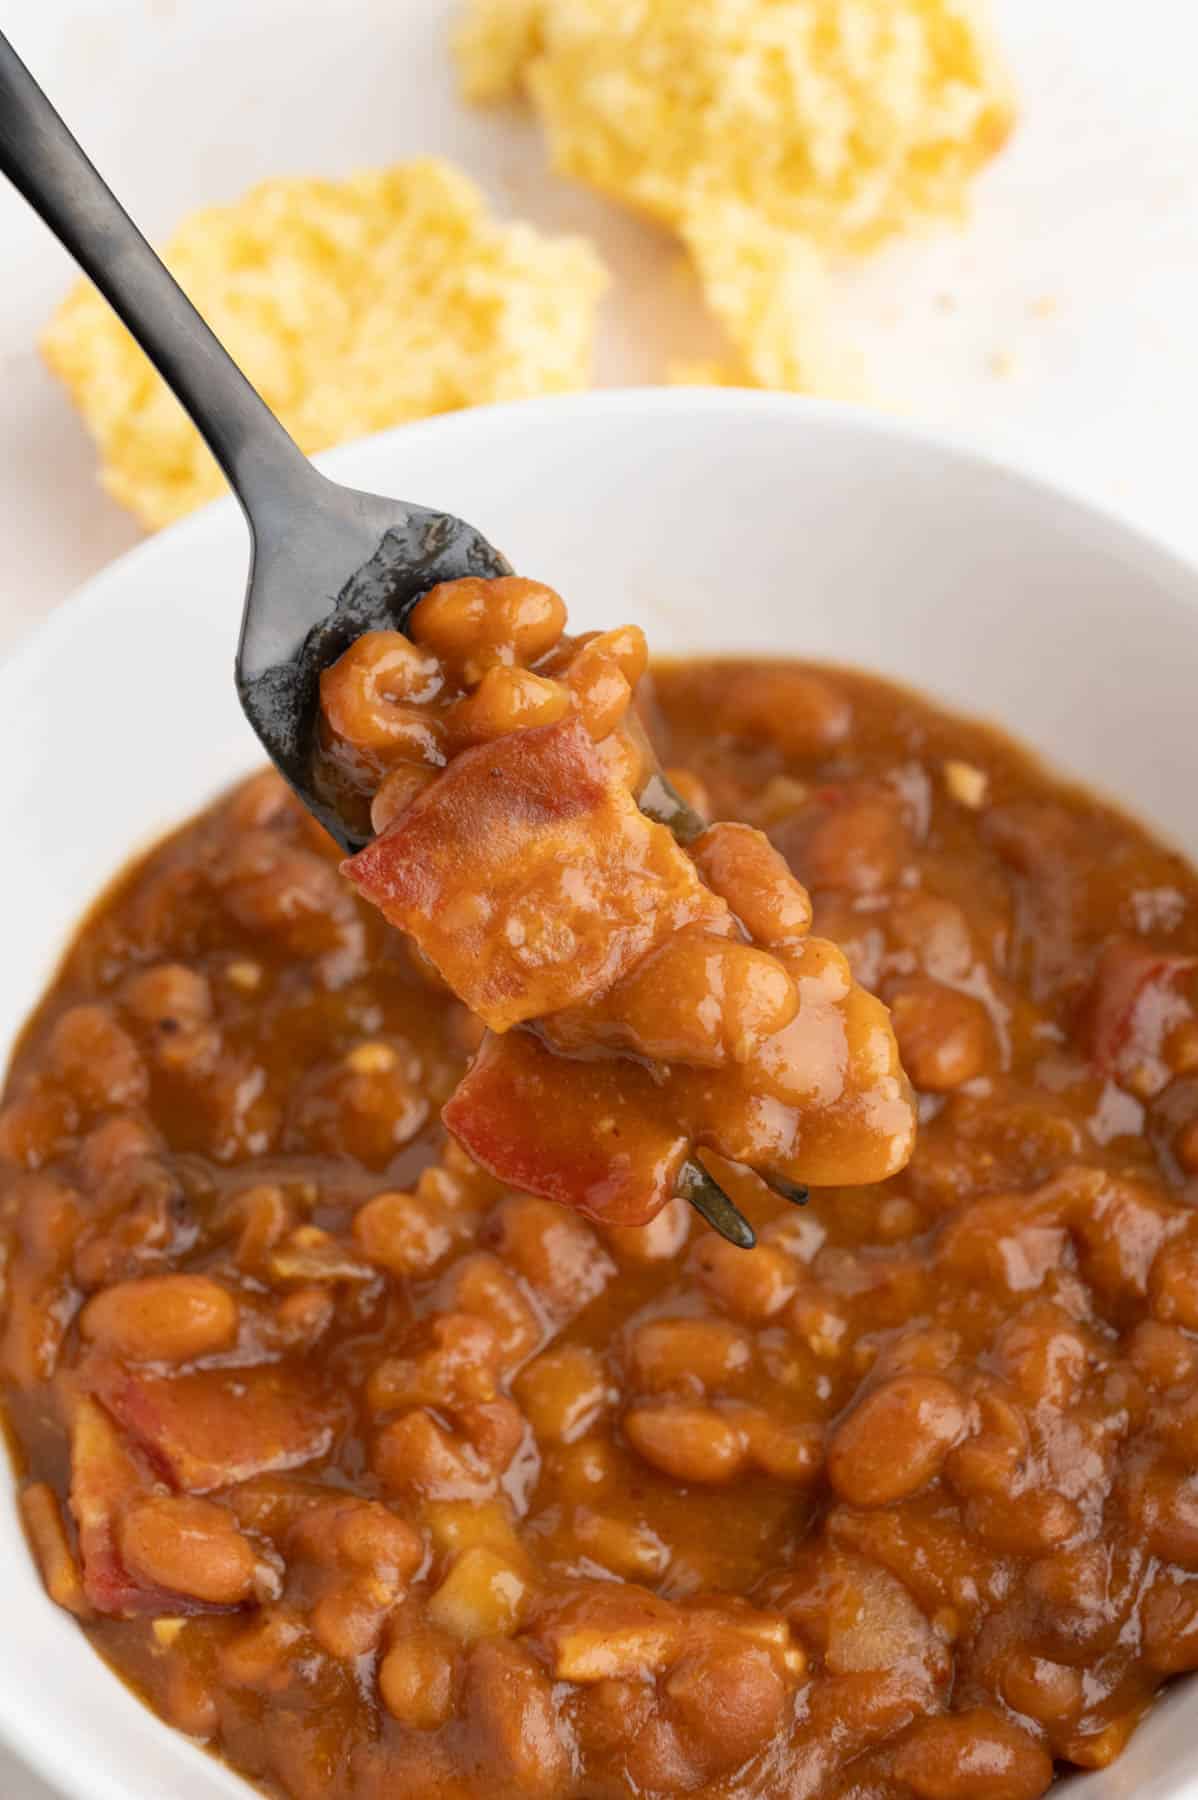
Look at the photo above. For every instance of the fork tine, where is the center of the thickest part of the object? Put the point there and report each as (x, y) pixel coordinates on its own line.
(711, 1203)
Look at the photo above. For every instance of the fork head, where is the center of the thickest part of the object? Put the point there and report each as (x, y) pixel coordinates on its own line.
(327, 566)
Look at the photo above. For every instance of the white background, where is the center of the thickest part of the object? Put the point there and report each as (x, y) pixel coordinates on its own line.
(1061, 329)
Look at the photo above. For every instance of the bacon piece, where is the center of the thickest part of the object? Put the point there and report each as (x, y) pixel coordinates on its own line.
(215, 1427)
(528, 875)
(1138, 996)
(823, 1101)
(106, 1477)
(593, 1135)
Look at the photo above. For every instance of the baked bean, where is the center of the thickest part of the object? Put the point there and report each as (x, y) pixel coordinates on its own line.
(481, 1284)
(656, 1760)
(110, 1145)
(495, 1428)
(1098, 1749)
(974, 1755)
(416, 1680)
(743, 868)
(928, 1350)
(193, 1547)
(945, 1038)
(702, 1000)
(1162, 1506)
(602, 674)
(414, 1454)
(162, 1318)
(403, 1234)
(1120, 1227)
(509, 699)
(398, 789)
(687, 1353)
(262, 799)
(586, 1470)
(564, 1393)
(472, 624)
(1044, 1355)
(860, 1618)
(295, 901)
(610, 1715)
(993, 1458)
(895, 1440)
(1185, 1145)
(362, 697)
(351, 1539)
(1162, 1355)
(787, 1449)
(457, 1525)
(854, 842)
(689, 1443)
(1173, 1283)
(511, 1704)
(1177, 1423)
(1170, 1621)
(96, 1059)
(268, 1655)
(1008, 1241)
(368, 1105)
(451, 1361)
(171, 997)
(727, 1699)
(1080, 1598)
(804, 715)
(36, 1126)
(625, 758)
(1029, 1524)
(1052, 1693)
(936, 933)
(558, 1254)
(753, 1285)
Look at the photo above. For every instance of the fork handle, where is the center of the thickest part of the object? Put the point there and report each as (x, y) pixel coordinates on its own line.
(46, 164)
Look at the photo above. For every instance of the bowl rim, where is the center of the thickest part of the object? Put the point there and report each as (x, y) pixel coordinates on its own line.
(44, 1743)
(955, 445)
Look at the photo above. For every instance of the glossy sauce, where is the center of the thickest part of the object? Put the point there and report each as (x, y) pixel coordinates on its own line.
(420, 1487)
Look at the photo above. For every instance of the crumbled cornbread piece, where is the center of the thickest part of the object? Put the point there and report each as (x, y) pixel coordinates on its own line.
(352, 305)
(768, 288)
(774, 135)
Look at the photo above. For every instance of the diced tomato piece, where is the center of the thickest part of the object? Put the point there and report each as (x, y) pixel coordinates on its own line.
(1138, 996)
(592, 1135)
(528, 875)
(105, 1478)
(215, 1427)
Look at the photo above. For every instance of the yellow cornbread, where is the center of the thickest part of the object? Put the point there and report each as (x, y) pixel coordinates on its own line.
(352, 305)
(775, 136)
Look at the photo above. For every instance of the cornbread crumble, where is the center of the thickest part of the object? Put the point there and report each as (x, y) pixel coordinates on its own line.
(352, 306)
(775, 136)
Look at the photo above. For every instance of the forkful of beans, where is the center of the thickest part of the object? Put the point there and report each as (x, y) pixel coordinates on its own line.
(648, 984)
(651, 993)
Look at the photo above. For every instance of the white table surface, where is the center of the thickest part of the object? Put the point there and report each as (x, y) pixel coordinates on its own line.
(1060, 329)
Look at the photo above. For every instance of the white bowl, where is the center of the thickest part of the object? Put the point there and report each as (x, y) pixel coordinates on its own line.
(719, 521)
